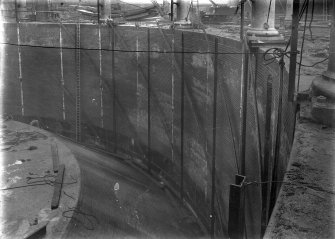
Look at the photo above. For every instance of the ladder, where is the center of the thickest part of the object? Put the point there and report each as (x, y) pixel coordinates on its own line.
(78, 109)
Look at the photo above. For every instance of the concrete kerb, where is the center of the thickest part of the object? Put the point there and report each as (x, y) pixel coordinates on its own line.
(56, 220)
(270, 229)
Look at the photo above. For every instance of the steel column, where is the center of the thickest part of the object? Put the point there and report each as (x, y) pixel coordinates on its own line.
(98, 10)
(294, 47)
(214, 138)
(266, 187)
(274, 169)
(182, 116)
(114, 93)
(78, 87)
(20, 58)
(62, 70)
(236, 225)
(149, 104)
(243, 106)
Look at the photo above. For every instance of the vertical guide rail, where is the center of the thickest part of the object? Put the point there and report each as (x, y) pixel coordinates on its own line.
(172, 96)
(20, 57)
(294, 48)
(171, 9)
(243, 105)
(78, 90)
(100, 81)
(138, 94)
(114, 93)
(182, 98)
(62, 69)
(274, 185)
(266, 187)
(242, 21)
(149, 105)
(98, 11)
(214, 138)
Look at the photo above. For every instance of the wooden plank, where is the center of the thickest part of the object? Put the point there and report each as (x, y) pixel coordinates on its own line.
(55, 157)
(58, 187)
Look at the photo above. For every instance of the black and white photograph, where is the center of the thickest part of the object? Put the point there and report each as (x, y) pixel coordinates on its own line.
(167, 119)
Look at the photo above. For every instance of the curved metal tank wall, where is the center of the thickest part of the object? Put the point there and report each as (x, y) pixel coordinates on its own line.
(115, 109)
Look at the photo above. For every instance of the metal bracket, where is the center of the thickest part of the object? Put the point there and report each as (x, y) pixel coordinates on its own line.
(236, 223)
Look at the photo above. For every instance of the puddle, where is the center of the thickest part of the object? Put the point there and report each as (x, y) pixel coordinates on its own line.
(116, 186)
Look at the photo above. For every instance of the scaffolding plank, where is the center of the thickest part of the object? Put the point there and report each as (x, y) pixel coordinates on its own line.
(58, 187)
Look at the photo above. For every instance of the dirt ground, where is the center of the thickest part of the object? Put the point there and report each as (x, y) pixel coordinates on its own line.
(306, 205)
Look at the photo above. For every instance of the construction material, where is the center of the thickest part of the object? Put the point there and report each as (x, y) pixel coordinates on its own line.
(236, 223)
(58, 187)
(55, 157)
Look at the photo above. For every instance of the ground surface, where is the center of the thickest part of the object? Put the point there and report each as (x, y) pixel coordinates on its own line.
(306, 205)
(27, 182)
(117, 201)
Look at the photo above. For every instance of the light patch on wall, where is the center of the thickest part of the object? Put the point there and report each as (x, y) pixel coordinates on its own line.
(199, 60)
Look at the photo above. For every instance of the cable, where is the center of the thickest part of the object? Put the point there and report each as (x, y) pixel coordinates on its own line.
(65, 193)
(88, 217)
(23, 186)
(314, 63)
(302, 184)
(129, 51)
(302, 45)
(45, 181)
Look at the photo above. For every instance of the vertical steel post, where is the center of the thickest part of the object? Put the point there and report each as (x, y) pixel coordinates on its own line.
(19, 55)
(149, 104)
(242, 21)
(243, 105)
(62, 69)
(16, 11)
(172, 97)
(182, 116)
(98, 10)
(267, 155)
(101, 80)
(171, 9)
(214, 138)
(294, 48)
(236, 225)
(114, 93)
(78, 86)
(274, 169)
